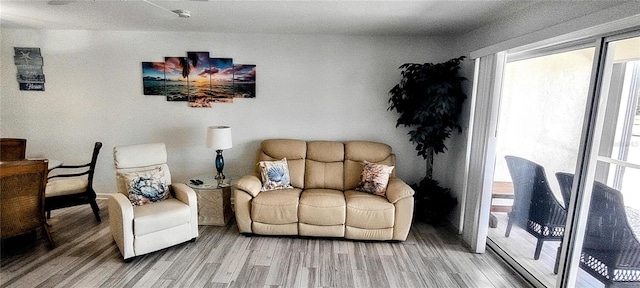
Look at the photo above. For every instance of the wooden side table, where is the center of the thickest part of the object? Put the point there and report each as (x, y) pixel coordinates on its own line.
(214, 200)
(501, 190)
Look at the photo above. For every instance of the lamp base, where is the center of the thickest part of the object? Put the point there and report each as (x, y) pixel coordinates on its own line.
(219, 165)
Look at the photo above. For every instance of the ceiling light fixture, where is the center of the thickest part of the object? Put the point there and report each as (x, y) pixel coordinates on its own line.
(59, 2)
(181, 13)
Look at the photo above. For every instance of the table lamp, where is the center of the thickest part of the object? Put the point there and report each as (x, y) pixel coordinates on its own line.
(219, 138)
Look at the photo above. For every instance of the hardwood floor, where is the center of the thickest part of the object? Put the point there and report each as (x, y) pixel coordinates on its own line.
(86, 256)
(521, 246)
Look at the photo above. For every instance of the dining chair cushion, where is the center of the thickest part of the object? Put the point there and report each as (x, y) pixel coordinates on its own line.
(160, 216)
(69, 186)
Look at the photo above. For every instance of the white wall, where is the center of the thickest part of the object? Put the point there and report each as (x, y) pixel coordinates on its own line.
(308, 87)
(542, 112)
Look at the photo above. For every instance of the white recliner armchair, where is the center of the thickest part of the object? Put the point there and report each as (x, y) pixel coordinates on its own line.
(139, 230)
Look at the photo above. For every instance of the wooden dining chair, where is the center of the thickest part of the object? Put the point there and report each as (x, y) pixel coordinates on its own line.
(74, 186)
(22, 185)
(12, 149)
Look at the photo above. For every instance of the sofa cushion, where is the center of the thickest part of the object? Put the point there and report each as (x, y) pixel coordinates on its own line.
(272, 229)
(323, 175)
(294, 150)
(325, 151)
(322, 207)
(276, 206)
(160, 216)
(275, 175)
(365, 150)
(374, 178)
(321, 230)
(324, 165)
(368, 211)
(356, 152)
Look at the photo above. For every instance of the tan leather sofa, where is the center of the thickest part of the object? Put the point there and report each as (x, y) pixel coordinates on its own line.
(324, 202)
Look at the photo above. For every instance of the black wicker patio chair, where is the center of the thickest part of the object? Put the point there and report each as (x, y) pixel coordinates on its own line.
(535, 208)
(611, 251)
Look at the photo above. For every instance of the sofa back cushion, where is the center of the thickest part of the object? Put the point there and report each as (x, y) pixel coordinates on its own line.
(356, 152)
(294, 150)
(324, 165)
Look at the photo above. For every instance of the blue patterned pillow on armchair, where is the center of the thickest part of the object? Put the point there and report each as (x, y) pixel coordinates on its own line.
(146, 187)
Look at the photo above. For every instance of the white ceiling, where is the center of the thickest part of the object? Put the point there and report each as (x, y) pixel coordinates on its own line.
(429, 18)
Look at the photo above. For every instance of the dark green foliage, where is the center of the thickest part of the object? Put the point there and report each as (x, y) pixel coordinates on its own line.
(429, 99)
(433, 203)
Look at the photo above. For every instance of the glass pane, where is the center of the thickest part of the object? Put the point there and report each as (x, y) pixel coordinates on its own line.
(538, 135)
(610, 253)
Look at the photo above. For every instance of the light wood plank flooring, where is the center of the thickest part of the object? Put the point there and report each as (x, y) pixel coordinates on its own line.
(521, 246)
(86, 256)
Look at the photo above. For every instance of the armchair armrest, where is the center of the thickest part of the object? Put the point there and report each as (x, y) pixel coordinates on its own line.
(397, 190)
(250, 184)
(186, 195)
(121, 223)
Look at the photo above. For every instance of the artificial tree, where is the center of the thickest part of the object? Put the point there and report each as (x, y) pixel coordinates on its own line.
(429, 100)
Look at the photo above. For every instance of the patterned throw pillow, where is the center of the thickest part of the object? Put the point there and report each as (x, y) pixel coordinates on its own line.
(374, 178)
(275, 175)
(146, 187)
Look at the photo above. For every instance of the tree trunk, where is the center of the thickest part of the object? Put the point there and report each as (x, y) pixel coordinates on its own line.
(429, 158)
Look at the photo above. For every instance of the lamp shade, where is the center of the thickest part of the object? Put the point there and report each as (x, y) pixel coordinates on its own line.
(219, 137)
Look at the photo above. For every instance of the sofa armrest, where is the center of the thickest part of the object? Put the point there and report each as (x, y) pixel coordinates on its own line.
(121, 223)
(250, 184)
(397, 190)
(187, 196)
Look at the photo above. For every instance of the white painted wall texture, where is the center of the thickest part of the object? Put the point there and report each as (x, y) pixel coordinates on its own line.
(308, 87)
(542, 112)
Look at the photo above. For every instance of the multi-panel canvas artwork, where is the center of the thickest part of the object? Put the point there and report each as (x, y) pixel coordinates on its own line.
(222, 79)
(176, 87)
(244, 81)
(199, 79)
(153, 78)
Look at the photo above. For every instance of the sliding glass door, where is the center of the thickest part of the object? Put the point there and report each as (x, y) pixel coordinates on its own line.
(565, 186)
(605, 190)
(540, 118)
